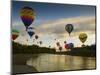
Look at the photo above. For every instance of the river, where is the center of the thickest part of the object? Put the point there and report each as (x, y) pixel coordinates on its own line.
(56, 62)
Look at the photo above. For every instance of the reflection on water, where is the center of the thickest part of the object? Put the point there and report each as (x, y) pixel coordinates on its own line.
(52, 62)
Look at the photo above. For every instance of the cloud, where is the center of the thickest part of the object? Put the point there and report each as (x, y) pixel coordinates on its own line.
(49, 30)
(57, 27)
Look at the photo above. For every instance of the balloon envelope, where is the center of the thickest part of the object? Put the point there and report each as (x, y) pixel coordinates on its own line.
(83, 37)
(66, 46)
(71, 45)
(30, 31)
(69, 28)
(60, 48)
(36, 37)
(40, 42)
(15, 34)
(27, 15)
(58, 44)
(64, 42)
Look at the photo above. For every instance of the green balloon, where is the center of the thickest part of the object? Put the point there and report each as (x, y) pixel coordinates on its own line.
(69, 28)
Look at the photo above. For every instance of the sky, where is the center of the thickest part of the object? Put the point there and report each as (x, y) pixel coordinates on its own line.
(51, 20)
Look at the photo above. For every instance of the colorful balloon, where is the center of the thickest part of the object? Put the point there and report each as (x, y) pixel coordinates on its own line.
(66, 46)
(69, 28)
(83, 37)
(30, 31)
(15, 34)
(27, 15)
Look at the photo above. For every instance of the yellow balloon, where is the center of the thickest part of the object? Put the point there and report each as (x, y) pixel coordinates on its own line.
(83, 37)
(28, 12)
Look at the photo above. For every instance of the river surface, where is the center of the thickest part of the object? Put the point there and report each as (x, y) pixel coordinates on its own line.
(54, 62)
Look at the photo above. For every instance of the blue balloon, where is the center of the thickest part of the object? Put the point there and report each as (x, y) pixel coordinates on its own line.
(71, 45)
(31, 28)
(31, 33)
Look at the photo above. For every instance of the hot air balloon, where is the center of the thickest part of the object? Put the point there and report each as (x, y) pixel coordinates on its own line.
(64, 42)
(66, 46)
(30, 31)
(83, 37)
(36, 37)
(71, 45)
(15, 34)
(60, 48)
(40, 42)
(27, 15)
(49, 46)
(69, 28)
(58, 44)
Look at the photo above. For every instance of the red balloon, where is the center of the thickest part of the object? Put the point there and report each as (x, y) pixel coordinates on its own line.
(14, 36)
(66, 46)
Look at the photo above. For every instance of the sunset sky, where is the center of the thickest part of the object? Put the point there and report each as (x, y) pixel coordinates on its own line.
(51, 20)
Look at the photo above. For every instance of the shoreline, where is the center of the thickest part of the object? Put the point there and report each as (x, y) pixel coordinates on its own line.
(20, 66)
(22, 69)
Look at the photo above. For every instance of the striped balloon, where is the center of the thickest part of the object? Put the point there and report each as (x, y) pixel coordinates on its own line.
(15, 34)
(28, 16)
(69, 28)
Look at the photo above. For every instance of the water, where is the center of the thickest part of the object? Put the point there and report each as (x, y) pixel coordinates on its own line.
(52, 62)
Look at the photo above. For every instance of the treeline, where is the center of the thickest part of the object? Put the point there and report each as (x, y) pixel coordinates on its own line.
(19, 48)
(77, 51)
(84, 51)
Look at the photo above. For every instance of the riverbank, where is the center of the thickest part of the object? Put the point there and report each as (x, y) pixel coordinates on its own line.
(20, 59)
(23, 69)
(20, 66)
